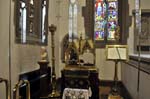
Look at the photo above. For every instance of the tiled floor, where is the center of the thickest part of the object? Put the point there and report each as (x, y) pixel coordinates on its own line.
(105, 92)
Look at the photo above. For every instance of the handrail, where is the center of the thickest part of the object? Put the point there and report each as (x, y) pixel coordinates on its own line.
(18, 85)
(136, 67)
(7, 87)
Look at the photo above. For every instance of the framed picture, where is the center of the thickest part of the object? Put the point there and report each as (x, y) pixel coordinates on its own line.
(117, 52)
(31, 21)
(144, 36)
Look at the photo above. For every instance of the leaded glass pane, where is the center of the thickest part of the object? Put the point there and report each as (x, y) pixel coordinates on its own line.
(100, 19)
(112, 19)
(106, 19)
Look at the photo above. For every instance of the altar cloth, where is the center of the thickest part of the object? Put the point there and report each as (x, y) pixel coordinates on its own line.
(73, 93)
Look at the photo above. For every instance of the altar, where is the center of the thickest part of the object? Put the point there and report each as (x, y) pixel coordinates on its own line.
(80, 71)
(81, 77)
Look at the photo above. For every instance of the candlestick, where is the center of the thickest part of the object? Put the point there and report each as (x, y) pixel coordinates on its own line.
(54, 94)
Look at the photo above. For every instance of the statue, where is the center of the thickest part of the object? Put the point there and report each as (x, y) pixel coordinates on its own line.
(44, 54)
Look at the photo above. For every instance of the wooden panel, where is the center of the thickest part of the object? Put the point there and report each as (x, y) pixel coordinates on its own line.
(39, 83)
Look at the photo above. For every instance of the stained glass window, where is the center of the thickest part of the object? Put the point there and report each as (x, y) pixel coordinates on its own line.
(106, 19)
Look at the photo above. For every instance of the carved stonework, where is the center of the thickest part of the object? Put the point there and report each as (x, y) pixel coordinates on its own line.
(88, 14)
(64, 46)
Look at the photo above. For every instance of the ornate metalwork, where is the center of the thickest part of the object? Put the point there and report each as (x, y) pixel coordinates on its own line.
(54, 93)
(7, 87)
(116, 53)
(17, 86)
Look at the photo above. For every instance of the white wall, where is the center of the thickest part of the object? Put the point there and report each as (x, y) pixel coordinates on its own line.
(23, 57)
(4, 44)
(129, 74)
(130, 79)
(106, 68)
(130, 40)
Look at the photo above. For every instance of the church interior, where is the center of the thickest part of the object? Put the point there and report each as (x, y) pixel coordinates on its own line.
(74, 49)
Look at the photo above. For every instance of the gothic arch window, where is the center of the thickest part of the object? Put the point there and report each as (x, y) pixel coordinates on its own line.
(72, 19)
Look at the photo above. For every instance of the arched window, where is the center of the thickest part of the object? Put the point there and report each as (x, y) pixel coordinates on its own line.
(72, 19)
(106, 20)
(22, 20)
(43, 21)
(31, 21)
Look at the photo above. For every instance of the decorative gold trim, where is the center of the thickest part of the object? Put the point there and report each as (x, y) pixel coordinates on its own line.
(7, 87)
(80, 46)
(76, 76)
(114, 97)
(17, 86)
(54, 93)
(77, 67)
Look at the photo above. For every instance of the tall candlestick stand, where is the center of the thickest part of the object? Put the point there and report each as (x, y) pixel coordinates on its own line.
(54, 94)
(115, 91)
